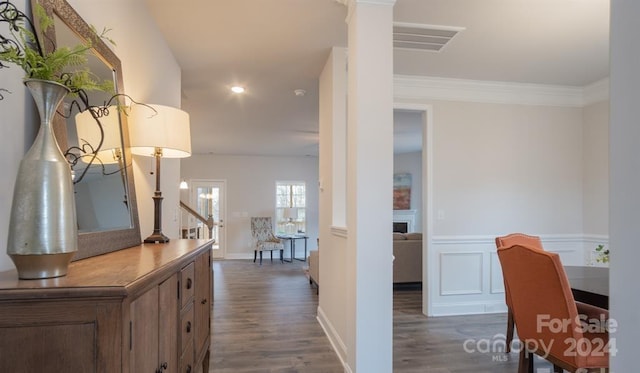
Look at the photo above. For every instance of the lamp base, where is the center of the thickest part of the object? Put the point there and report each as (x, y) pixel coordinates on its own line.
(157, 238)
(290, 228)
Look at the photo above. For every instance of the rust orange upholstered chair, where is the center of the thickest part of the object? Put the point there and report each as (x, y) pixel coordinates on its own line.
(508, 241)
(546, 314)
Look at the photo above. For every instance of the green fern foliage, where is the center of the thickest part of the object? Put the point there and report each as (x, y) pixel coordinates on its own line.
(22, 49)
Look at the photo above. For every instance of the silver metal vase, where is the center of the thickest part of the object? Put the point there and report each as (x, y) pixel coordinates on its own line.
(43, 234)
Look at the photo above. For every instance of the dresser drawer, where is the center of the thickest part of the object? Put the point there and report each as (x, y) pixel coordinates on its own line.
(187, 329)
(187, 284)
(186, 360)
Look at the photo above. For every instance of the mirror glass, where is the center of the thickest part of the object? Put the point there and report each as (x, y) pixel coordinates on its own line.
(100, 181)
(104, 189)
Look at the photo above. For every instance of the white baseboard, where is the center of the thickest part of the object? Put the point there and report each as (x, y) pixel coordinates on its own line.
(239, 256)
(336, 342)
(466, 278)
(468, 308)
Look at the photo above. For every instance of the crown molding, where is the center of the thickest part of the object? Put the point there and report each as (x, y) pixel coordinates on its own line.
(596, 92)
(432, 88)
(374, 2)
(350, 4)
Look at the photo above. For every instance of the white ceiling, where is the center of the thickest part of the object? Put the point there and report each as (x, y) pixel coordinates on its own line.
(273, 47)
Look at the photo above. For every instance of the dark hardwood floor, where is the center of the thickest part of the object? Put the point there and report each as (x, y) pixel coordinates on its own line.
(264, 320)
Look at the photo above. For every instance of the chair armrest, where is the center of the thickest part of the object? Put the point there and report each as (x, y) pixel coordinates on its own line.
(273, 238)
(592, 313)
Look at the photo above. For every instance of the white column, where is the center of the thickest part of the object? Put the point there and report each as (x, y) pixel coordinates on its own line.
(369, 185)
(624, 183)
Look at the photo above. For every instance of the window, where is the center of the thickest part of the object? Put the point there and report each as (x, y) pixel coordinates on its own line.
(291, 194)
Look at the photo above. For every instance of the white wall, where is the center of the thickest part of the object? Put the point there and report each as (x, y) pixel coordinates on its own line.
(151, 74)
(595, 167)
(251, 183)
(499, 168)
(625, 182)
(412, 163)
(19, 124)
(332, 307)
(506, 168)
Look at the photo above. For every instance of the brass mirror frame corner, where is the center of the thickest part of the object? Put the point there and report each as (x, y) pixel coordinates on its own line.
(95, 243)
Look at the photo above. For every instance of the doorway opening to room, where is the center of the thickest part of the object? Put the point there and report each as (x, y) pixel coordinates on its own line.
(208, 199)
(412, 217)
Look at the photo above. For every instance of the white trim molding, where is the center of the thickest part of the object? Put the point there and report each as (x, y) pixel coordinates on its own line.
(596, 92)
(334, 338)
(409, 87)
(339, 231)
(466, 276)
(473, 285)
(238, 256)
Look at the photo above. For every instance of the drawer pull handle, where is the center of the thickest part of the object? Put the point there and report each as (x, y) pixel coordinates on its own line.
(162, 367)
(204, 301)
(189, 283)
(188, 368)
(188, 326)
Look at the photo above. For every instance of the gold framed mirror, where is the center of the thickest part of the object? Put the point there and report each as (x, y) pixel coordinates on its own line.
(105, 193)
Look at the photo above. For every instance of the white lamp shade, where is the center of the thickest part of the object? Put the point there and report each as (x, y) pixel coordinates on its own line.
(88, 132)
(167, 128)
(290, 213)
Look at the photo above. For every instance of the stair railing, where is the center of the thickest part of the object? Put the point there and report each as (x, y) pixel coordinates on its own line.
(206, 221)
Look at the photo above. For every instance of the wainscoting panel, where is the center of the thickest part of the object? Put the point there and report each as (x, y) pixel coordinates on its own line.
(453, 282)
(497, 282)
(465, 276)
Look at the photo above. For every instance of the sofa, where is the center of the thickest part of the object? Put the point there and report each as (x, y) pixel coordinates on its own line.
(407, 263)
(314, 272)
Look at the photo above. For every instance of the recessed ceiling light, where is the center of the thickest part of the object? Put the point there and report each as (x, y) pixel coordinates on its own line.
(237, 89)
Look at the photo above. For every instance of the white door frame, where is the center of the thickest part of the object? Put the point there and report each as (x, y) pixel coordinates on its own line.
(222, 184)
(428, 264)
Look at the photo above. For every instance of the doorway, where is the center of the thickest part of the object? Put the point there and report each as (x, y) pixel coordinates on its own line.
(208, 198)
(423, 115)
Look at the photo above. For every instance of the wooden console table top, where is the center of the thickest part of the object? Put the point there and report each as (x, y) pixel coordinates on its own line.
(114, 274)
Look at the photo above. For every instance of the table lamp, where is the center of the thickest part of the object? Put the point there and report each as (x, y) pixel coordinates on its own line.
(159, 131)
(110, 151)
(88, 132)
(291, 214)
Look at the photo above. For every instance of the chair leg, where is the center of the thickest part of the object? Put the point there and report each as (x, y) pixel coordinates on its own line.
(525, 364)
(271, 251)
(255, 255)
(510, 327)
(260, 257)
(281, 256)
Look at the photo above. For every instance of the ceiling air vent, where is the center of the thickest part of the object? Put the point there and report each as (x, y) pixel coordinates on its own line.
(423, 37)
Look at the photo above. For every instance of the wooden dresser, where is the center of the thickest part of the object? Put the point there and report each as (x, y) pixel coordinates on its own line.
(145, 309)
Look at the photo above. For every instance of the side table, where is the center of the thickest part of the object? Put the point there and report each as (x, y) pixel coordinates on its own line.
(292, 244)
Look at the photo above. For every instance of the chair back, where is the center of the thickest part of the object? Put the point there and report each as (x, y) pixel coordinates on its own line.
(519, 239)
(543, 306)
(516, 239)
(261, 229)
